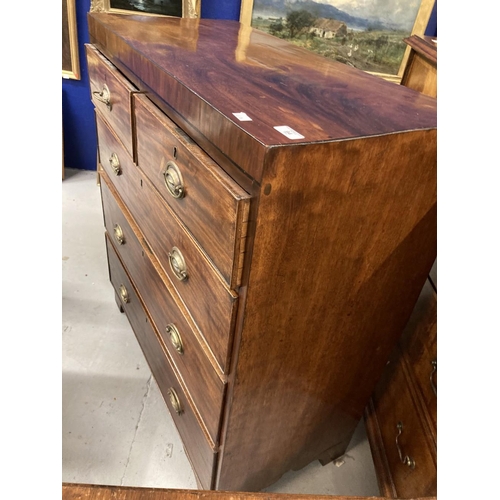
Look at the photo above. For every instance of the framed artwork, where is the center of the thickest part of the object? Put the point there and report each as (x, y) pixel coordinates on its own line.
(367, 35)
(70, 61)
(176, 8)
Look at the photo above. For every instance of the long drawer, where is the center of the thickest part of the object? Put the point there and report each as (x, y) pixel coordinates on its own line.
(211, 304)
(111, 94)
(201, 455)
(204, 386)
(210, 204)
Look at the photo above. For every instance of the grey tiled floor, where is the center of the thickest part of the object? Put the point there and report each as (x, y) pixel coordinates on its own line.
(116, 429)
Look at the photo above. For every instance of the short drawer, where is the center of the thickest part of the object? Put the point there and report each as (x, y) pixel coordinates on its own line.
(111, 94)
(419, 344)
(200, 453)
(113, 157)
(204, 386)
(211, 304)
(210, 204)
(410, 452)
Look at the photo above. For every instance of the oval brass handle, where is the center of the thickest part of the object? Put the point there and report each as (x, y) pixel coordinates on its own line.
(177, 264)
(119, 236)
(175, 338)
(434, 369)
(173, 180)
(124, 294)
(103, 96)
(115, 164)
(406, 459)
(175, 401)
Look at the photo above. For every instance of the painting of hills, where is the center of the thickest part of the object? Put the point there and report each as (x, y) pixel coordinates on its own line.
(366, 34)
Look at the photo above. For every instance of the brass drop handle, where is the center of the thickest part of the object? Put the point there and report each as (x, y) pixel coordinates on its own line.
(434, 369)
(124, 294)
(103, 96)
(177, 264)
(115, 164)
(175, 338)
(173, 180)
(406, 459)
(175, 401)
(119, 237)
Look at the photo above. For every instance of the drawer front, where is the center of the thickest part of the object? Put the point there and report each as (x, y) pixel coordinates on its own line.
(201, 455)
(204, 386)
(210, 204)
(111, 94)
(393, 404)
(419, 343)
(210, 303)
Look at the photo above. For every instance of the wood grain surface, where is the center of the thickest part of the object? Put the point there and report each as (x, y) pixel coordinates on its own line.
(206, 70)
(328, 296)
(163, 305)
(100, 492)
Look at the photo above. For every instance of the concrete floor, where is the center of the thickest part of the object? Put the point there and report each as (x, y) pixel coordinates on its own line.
(116, 429)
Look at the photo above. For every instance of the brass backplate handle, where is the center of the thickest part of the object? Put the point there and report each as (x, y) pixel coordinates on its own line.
(119, 236)
(175, 401)
(175, 338)
(434, 369)
(124, 294)
(404, 459)
(103, 96)
(177, 264)
(115, 164)
(173, 180)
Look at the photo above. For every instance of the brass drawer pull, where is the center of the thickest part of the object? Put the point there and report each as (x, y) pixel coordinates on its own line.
(124, 294)
(119, 236)
(115, 164)
(175, 338)
(177, 264)
(434, 369)
(103, 96)
(406, 459)
(173, 180)
(175, 401)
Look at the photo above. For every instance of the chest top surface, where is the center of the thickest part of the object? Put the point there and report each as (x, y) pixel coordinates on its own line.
(237, 69)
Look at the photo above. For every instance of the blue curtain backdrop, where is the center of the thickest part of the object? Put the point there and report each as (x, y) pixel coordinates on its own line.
(80, 146)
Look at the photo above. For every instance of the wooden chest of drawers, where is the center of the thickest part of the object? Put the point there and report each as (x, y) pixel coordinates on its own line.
(270, 219)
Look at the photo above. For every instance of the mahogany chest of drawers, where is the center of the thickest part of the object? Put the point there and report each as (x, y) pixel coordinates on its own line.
(270, 220)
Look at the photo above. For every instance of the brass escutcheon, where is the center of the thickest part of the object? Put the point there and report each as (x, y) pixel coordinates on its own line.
(173, 180)
(124, 294)
(177, 264)
(115, 164)
(175, 338)
(103, 96)
(119, 237)
(174, 401)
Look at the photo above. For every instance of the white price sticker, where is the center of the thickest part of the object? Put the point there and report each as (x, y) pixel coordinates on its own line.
(242, 117)
(289, 132)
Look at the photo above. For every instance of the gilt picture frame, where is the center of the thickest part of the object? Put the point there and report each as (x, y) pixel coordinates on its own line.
(175, 8)
(369, 35)
(70, 55)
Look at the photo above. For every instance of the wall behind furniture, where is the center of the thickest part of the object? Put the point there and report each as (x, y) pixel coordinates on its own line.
(80, 145)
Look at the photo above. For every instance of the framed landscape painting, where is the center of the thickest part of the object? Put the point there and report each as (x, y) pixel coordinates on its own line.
(176, 8)
(366, 34)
